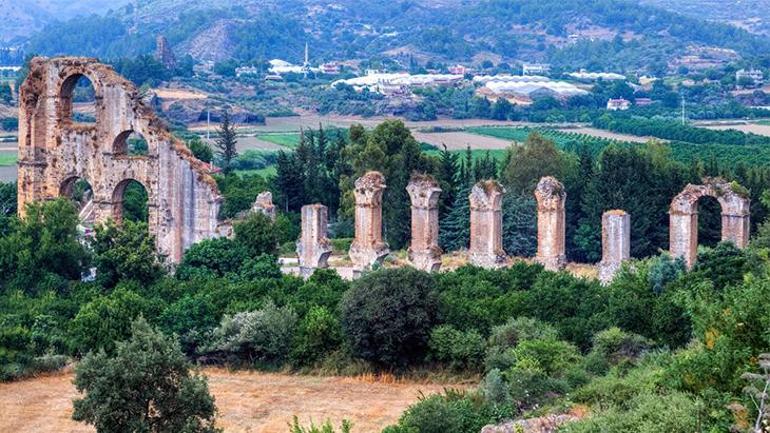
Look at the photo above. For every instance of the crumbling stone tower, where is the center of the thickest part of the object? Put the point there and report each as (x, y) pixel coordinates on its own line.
(616, 243)
(551, 223)
(54, 151)
(424, 252)
(368, 247)
(313, 247)
(683, 215)
(264, 205)
(486, 202)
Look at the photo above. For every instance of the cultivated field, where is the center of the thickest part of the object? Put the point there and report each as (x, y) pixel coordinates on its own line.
(461, 140)
(595, 132)
(760, 128)
(250, 402)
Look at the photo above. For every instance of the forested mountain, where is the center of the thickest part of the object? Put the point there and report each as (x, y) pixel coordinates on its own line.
(21, 18)
(573, 33)
(753, 15)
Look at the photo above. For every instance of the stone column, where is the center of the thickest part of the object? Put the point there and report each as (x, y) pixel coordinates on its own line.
(264, 205)
(313, 247)
(424, 252)
(683, 234)
(368, 248)
(616, 243)
(486, 201)
(735, 229)
(551, 223)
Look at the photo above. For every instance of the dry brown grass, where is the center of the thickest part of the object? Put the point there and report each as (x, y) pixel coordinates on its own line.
(461, 140)
(248, 401)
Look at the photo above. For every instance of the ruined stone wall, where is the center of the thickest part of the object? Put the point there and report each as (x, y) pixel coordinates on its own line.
(54, 150)
(683, 217)
(424, 252)
(551, 223)
(616, 243)
(264, 205)
(368, 247)
(486, 201)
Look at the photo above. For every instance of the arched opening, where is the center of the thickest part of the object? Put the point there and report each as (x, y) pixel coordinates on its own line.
(709, 221)
(130, 143)
(80, 192)
(131, 202)
(78, 100)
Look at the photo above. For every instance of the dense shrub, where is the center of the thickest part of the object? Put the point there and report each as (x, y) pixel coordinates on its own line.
(257, 234)
(453, 412)
(458, 349)
(212, 258)
(318, 334)
(127, 252)
(387, 316)
(263, 335)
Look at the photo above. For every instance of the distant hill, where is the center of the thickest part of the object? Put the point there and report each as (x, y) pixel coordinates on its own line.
(597, 34)
(22, 18)
(753, 15)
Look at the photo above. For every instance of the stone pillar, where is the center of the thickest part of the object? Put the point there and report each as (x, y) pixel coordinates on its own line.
(616, 243)
(735, 229)
(424, 252)
(368, 248)
(264, 205)
(551, 223)
(313, 247)
(486, 200)
(683, 234)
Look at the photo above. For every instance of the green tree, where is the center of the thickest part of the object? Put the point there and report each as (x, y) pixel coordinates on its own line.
(146, 386)
(226, 143)
(257, 234)
(125, 252)
(201, 150)
(387, 315)
(527, 163)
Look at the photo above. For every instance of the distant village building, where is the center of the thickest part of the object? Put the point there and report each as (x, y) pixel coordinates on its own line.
(458, 70)
(163, 53)
(331, 68)
(398, 83)
(528, 86)
(754, 75)
(619, 104)
(244, 71)
(596, 76)
(535, 69)
(643, 102)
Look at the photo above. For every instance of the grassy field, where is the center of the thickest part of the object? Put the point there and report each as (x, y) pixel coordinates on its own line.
(8, 158)
(251, 402)
(290, 140)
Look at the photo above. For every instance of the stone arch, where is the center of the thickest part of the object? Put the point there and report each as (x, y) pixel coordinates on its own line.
(65, 96)
(118, 195)
(183, 198)
(683, 212)
(120, 146)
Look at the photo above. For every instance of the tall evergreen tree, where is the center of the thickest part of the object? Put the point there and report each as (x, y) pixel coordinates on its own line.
(455, 228)
(226, 143)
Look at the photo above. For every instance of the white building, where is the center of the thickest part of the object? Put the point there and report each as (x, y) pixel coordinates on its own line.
(596, 76)
(246, 70)
(388, 83)
(619, 104)
(527, 85)
(535, 69)
(751, 74)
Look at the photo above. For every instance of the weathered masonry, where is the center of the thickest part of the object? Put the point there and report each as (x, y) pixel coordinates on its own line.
(313, 247)
(616, 243)
(368, 248)
(684, 216)
(486, 203)
(54, 151)
(551, 223)
(424, 252)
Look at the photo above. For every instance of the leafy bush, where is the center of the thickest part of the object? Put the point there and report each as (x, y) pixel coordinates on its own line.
(452, 412)
(263, 335)
(212, 258)
(614, 346)
(295, 427)
(387, 315)
(494, 388)
(459, 349)
(646, 413)
(145, 386)
(125, 252)
(506, 337)
(257, 234)
(106, 320)
(318, 334)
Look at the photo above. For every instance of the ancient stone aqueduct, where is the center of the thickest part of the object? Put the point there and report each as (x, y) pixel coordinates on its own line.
(184, 200)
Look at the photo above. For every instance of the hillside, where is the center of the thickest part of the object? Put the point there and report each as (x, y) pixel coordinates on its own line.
(752, 15)
(573, 33)
(23, 18)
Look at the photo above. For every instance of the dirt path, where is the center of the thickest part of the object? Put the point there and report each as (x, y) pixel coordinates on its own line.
(250, 402)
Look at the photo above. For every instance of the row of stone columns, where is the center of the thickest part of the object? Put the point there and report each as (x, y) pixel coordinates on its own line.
(486, 243)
